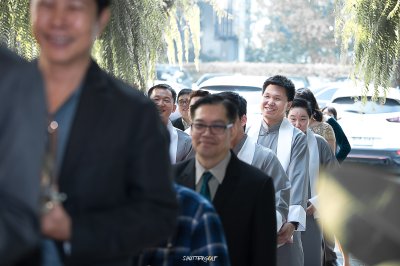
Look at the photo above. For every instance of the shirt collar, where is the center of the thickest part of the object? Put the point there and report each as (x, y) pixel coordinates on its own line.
(185, 124)
(170, 127)
(265, 129)
(239, 146)
(218, 171)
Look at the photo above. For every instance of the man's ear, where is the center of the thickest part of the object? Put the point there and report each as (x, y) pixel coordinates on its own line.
(104, 18)
(243, 120)
(174, 107)
(289, 105)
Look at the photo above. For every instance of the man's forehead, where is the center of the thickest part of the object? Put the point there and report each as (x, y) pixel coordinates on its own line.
(211, 111)
(162, 91)
(276, 89)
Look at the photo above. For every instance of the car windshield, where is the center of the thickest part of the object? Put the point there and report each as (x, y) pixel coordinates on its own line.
(232, 88)
(348, 104)
(325, 94)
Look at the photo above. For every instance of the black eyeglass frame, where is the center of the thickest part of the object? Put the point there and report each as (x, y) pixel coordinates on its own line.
(214, 129)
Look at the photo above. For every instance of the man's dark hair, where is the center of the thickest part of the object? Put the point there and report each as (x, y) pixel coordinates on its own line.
(307, 95)
(214, 99)
(184, 92)
(102, 4)
(164, 87)
(198, 93)
(283, 82)
(301, 103)
(237, 100)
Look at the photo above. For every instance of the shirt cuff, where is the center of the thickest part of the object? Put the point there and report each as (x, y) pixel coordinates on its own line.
(279, 221)
(297, 214)
(314, 201)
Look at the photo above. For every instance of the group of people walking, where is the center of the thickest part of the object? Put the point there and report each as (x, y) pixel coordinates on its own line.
(95, 173)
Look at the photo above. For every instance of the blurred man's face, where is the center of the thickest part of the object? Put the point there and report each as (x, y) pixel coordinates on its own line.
(66, 29)
(211, 144)
(165, 103)
(274, 104)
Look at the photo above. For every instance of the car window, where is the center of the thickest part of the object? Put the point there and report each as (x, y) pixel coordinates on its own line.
(348, 104)
(231, 88)
(325, 94)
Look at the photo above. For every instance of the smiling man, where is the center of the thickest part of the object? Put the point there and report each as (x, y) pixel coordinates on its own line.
(109, 138)
(183, 122)
(242, 195)
(275, 132)
(164, 97)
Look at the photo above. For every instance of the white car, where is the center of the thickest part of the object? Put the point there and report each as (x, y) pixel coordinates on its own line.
(372, 127)
(249, 87)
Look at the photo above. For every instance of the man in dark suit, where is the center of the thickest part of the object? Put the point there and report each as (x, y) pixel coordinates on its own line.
(109, 138)
(23, 124)
(242, 195)
(183, 122)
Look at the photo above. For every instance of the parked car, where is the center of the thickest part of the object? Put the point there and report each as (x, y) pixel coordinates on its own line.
(207, 76)
(250, 87)
(372, 127)
(173, 74)
(300, 82)
(324, 96)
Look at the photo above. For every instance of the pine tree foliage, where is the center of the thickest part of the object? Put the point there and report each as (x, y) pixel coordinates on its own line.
(138, 34)
(372, 27)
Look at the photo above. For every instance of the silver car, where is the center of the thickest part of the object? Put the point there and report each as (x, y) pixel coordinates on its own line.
(372, 127)
(249, 87)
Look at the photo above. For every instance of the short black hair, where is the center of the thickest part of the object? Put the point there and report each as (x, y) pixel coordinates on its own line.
(214, 99)
(102, 4)
(237, 100)
(164, 87)
(184, 92)
(198, 93)
(283, 82)
(307, 95)
(301, 103)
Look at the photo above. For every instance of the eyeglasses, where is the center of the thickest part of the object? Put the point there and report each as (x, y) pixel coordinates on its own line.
(183, 102)
(214, 129)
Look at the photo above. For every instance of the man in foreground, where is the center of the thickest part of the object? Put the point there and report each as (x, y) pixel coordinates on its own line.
(242, 195)
(116, 201)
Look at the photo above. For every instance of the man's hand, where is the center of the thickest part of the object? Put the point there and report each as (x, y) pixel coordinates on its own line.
(56, 224)
(311, 210)
(286, 233)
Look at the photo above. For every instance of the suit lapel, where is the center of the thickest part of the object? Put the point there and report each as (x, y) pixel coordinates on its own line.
(229, 184)
(91, 108)
(188, 176)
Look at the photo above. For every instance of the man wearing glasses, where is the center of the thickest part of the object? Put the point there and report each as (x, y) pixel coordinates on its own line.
(183, 122)
(242, 195)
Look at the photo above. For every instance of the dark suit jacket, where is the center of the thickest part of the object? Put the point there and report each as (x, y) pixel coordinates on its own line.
(178, 123)
(116, 174)
(245, 202)
(22, 140)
